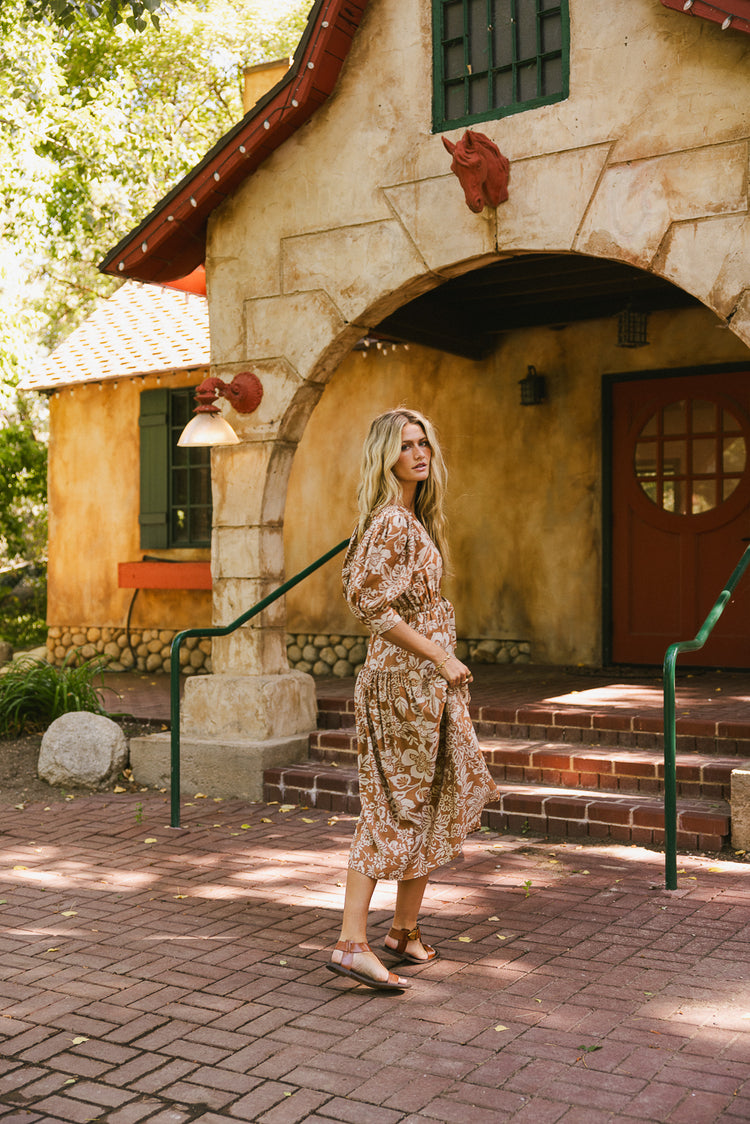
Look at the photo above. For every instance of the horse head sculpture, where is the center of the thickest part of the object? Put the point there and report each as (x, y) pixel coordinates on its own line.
(482, 170)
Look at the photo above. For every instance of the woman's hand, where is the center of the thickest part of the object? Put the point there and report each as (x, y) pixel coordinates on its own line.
(455, 673)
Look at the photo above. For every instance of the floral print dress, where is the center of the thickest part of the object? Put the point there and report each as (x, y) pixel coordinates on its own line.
(422, 778)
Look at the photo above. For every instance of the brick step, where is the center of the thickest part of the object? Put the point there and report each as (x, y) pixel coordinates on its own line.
(621, 730)
(540, 809)
(699, 776)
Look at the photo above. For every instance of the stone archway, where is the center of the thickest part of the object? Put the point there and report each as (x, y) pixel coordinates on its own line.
(682, 216)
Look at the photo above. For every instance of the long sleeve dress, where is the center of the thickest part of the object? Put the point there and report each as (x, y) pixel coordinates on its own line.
(422, 778)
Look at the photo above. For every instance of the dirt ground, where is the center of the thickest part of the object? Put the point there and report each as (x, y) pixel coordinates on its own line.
(20, 785)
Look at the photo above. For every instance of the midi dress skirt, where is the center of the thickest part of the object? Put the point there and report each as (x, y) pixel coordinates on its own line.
(423, 781)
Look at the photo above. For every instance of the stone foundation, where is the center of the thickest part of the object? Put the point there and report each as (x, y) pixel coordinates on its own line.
(145, 649)
(149, 650)
(342, 656)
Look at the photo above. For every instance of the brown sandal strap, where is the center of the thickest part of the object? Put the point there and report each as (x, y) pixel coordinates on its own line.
(349, 948)
(403, 936)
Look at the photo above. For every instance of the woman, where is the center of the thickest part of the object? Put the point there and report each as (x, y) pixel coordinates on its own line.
(423, 781)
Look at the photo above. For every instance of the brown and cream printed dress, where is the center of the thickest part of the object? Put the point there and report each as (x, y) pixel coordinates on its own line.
(422, 779)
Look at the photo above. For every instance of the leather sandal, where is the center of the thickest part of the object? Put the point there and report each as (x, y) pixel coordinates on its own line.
(403, 936)
(346, 968)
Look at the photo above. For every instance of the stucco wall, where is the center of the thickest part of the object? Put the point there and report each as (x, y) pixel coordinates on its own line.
(93, 511)
(646, 163)
(525, 500)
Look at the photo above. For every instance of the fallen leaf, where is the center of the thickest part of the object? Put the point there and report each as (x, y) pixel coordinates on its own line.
(245, 826)
(20, 807)
(466, 940)
(493, 918)
(151, 839)
(265, 820)
(20, 868)
(283, 962)
(69, 913)
(500, 937)
(70, 1081)
(286, 807)
(179, 896)
(501, 1027)
(119, 788)
(3, 901)
(715, 870)
(53, 950)
(306, 820)
(81, 1038)
(200, 796)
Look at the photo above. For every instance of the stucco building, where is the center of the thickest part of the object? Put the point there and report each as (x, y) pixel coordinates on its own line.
(595, 526)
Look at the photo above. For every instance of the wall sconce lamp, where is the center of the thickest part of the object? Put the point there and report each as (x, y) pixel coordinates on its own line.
(533, 388)
(208, 427)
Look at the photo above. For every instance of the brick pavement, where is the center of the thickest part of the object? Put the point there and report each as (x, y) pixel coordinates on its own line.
(148, 974)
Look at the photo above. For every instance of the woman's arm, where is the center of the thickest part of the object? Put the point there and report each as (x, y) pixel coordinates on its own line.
(451, 669)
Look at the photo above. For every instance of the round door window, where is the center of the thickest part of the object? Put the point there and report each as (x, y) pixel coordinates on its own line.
(690, 456)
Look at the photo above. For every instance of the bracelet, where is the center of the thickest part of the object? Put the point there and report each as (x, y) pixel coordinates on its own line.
(439, 665)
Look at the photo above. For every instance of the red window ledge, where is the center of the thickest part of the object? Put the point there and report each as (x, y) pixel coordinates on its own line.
(164, 575)
(736, 11)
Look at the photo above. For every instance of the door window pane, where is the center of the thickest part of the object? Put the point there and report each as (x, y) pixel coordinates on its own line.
(690, 456)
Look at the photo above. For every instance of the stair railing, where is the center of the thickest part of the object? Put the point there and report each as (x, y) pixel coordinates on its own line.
(174, 670)
(670, 730)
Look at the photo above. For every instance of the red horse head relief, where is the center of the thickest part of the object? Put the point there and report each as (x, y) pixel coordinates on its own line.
(482, 170)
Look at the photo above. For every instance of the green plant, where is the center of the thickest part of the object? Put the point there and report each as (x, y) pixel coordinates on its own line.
(33, 693)
(22, 619)
(527, 887)
(139, 813)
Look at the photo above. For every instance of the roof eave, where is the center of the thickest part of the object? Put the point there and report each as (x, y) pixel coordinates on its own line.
(171, 241)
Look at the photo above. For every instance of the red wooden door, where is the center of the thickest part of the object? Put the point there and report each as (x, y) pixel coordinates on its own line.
(680, 510)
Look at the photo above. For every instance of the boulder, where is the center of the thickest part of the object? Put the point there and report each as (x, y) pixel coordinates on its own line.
(82, 748)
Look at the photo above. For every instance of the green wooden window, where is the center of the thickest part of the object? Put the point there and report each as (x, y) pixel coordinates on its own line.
(496, 57)
(175, 483)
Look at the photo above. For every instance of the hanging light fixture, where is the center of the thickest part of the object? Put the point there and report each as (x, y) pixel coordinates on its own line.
(632, 328)
(208, 427)
(533, 388)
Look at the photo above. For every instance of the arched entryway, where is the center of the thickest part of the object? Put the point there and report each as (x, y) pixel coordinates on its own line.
(533, 506)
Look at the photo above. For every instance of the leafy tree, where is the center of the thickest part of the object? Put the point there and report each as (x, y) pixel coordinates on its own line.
(66, 12)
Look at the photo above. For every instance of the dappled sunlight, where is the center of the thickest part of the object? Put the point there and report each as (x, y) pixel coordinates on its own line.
(617, 696)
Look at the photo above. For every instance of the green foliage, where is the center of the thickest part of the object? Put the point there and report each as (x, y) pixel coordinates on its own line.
(23, 491)
(33, 693)
(96, 125)
(66, 12)
(23, 620)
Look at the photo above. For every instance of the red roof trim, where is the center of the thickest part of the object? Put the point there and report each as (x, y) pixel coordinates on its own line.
(736, 11)
(171, 242)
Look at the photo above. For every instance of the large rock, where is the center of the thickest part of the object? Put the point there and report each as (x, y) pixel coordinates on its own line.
(81, 748)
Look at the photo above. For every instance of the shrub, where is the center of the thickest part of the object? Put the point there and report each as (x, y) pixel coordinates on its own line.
(33, 693)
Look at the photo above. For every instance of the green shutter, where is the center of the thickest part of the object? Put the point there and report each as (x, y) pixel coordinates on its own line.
(154, 428)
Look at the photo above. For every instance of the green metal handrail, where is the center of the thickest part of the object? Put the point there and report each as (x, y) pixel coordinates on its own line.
(174, 780)
(670, 731)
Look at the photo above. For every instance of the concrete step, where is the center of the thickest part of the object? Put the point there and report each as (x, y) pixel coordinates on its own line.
(699, 776)
(614, 728)
(547, 809)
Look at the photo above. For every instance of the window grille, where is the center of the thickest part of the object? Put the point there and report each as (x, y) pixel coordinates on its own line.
(497, 57)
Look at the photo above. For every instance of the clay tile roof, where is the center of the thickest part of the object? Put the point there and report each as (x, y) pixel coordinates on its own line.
(139, 330)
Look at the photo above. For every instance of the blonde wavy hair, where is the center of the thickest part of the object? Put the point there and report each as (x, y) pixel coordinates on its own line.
(378, 486)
